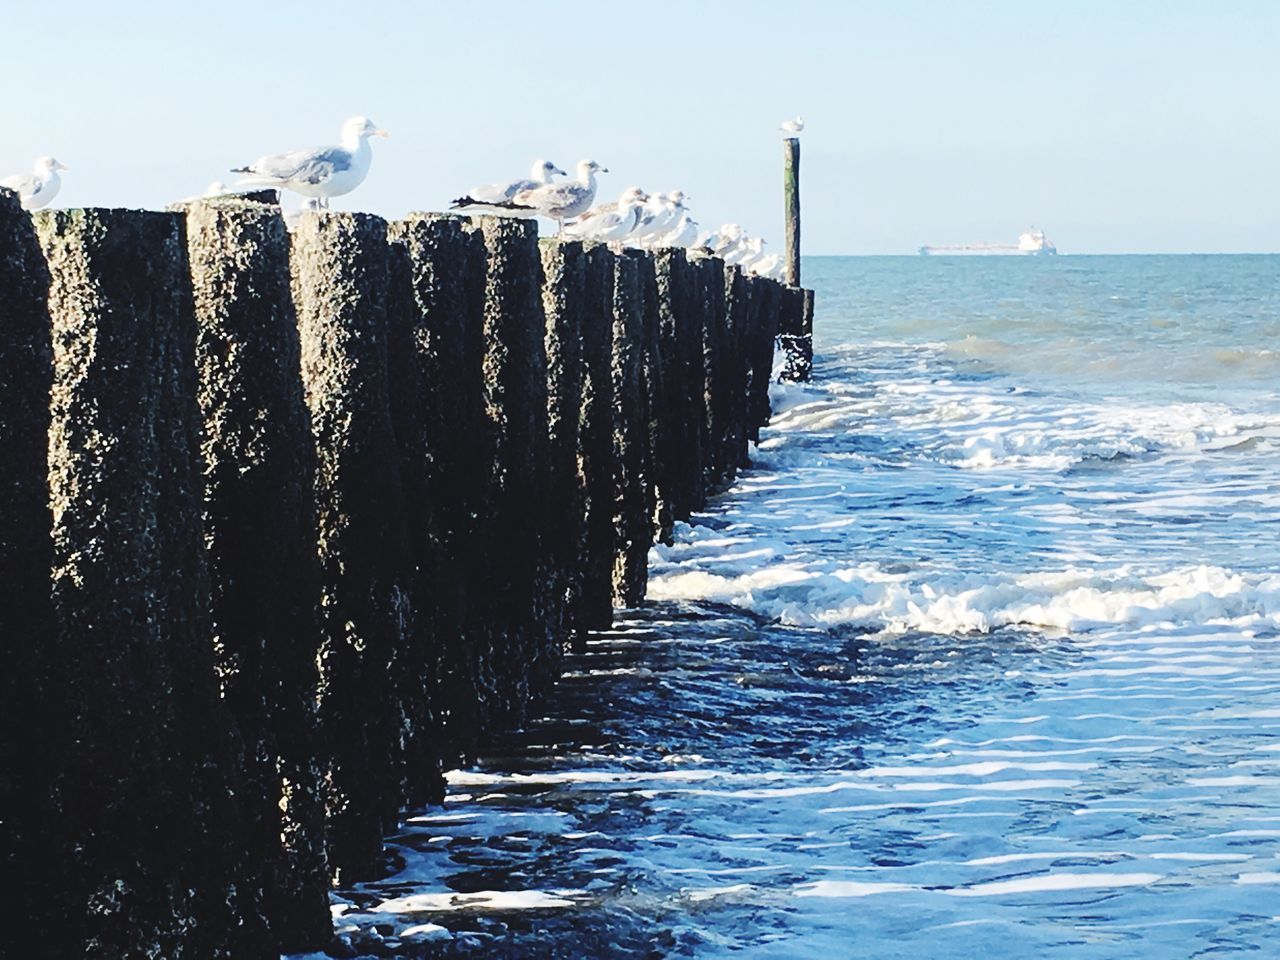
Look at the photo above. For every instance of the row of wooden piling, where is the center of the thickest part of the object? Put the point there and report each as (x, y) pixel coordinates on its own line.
(289, 522)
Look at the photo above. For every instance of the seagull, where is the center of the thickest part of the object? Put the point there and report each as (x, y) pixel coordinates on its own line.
(542, 173)
(609, 207)
(746, 250)
(723, 240)
(613, 225)
(37, 188)
(792, 126)
(761, 264)
(561, 201)
(660, 215)
(683, 234)
(654, 218)
(771, 266)
(321, 172)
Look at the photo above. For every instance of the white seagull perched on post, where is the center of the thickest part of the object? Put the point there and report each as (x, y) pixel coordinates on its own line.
(321, 172)
(543, 172)
(792, 126)
(683, 234)
(562, 201)
(745, 250)
(659, 216)
(770, 266)
(37, 188)
(609, 225)
(723, 240)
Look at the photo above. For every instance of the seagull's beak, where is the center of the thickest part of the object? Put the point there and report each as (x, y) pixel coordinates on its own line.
(559, 171)
(604, 169)
(381, 133)
(62, 166)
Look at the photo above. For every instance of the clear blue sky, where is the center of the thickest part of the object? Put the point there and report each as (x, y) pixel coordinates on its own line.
(1135, 126)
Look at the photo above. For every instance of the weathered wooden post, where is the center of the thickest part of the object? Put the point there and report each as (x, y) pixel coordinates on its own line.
(737, 293)
(654, 412)
(711, 313)
(768, 297)
(795, 333)
(512, 437)
(791, 202)
(340, 267)
(34, 735)
(796, 336)
(260, 530)
(595, 441)
(680, 447)
(418, 657)
(564, 303)
(269, 196)
(150, 795)
(631, 529)
(440, 337)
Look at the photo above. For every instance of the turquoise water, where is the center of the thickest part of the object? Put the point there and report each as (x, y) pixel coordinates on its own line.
(981, 655)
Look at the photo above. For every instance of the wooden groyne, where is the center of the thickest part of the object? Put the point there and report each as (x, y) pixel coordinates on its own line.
(290, 522)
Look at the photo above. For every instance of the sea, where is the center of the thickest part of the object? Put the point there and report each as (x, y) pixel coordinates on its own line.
(981, 657)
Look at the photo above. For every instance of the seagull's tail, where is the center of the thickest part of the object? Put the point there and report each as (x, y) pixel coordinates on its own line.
(257, 179)
(500, 204)
(242, 169)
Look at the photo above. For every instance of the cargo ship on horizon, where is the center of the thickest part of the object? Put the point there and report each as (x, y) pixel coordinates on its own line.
(1032, 243)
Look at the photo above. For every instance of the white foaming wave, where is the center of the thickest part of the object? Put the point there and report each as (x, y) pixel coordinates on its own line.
(1054, 882)
(1035, 737)
(982, 425)
(480, 900)
(984, 769)
(931, 786)
(712, 893)
(1267, 876)
(1099, 433)
(1042, 883)
(850, 888)
(1239, 780)
(1106, 855)
(1058, 753)
(823, 594)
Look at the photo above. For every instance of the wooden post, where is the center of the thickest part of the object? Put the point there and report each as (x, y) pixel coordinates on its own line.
(791, 200)
(341, 281)
(258, 468)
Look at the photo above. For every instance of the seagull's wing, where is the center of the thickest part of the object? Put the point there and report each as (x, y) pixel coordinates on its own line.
(592, 224)
(595, 213)
(23, 184)
(551, 196)
(313, 166)
(518, 186)
(497, 192)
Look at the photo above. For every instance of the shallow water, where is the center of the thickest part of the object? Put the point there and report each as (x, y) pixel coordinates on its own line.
(981, 655)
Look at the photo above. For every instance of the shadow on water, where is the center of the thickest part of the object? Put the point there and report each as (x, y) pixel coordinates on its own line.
(595, 823)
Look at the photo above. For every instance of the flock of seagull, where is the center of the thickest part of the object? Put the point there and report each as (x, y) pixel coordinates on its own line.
(636, 219)
(648, 221)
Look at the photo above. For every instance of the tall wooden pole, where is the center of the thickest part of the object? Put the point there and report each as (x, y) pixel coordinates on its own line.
(791, 199)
